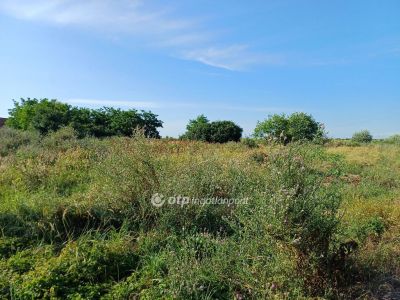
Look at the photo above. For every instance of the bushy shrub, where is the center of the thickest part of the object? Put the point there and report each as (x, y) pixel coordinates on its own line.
(10, 245)
(225, 131)
(363, 136)
(200, 129)
(249, 142)
(285, 129)
(124, 182)
(84, 269)
(293, 208)
(12, 139)
(276, 127)
(303, 127)
(63, 138)
(306, 211)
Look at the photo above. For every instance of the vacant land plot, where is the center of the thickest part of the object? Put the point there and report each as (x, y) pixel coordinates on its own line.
(136, 218)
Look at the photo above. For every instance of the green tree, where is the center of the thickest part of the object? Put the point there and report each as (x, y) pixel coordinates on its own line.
(285, 129)
(200, 129)
(20, 117)
(121, 122)
(49, 115)
(274, 127)
(149, 123)
(225, 131)
(43, 115)
(302, 127)
(81, 120)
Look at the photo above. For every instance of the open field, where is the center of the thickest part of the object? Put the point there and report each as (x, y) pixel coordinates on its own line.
(77, 221)
(199, 150)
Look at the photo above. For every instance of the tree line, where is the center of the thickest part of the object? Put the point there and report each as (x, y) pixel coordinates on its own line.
(50, 115)
(46, 115)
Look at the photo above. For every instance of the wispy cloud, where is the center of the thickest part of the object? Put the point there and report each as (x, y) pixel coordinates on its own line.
(185, 37)
(114, 103)
(235, 57)
(174, 105)
(126, 16)
(221, 106)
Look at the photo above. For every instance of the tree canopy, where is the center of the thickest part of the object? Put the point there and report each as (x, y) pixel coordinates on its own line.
(46, 115)
(201, 129)
(284, 129)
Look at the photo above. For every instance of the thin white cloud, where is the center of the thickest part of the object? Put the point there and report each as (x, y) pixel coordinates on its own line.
(218, 106)
(183, 37)
(130, 16)
(174, 105)
(235, 57)
(113, 103)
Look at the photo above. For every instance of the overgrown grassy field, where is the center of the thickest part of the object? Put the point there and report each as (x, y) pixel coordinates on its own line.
(77, 222)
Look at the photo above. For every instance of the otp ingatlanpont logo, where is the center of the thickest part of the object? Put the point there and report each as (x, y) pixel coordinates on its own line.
(157, 200)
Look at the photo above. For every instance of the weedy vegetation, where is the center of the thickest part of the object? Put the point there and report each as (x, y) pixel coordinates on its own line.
(77, 222)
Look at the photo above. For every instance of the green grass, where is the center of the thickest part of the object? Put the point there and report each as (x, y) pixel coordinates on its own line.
(77, 222)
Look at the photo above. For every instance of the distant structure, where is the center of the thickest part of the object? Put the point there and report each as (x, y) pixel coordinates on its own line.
(2, 121)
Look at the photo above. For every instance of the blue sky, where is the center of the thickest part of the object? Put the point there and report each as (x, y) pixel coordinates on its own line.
(236, 60)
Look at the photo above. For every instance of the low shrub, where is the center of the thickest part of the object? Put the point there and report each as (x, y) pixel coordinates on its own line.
(85, 269)
(363, 136)
(12, 139)
(249, 142)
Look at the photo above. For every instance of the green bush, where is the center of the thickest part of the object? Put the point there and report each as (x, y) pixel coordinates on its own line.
(200, 129)
(294, 208)
(306, 211)
(285, 129)
(85, 269)
(363, 136)
(225, 131)
(249, 142)
(275, 127)
(373, 227)
(303, 127)
(12, 139)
